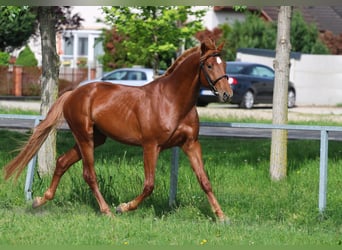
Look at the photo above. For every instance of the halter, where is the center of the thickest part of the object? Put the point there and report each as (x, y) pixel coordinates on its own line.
(207, 77)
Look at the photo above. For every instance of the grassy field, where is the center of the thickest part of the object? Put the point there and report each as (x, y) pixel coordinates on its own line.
(262, 212)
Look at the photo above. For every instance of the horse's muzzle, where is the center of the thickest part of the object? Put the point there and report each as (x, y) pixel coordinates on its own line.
(226, 97)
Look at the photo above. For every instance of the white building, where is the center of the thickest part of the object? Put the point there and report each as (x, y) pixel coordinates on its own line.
(82, 45)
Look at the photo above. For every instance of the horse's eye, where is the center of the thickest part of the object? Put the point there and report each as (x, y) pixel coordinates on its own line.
(210, 66)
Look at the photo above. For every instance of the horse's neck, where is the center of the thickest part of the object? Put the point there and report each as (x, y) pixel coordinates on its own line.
(184, 79)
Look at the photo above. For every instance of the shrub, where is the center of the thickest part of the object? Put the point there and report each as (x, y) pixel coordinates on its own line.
(4, 58)
(26, 58)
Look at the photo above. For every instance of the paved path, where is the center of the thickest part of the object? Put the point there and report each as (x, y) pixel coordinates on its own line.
(298, 114)
(25, 105)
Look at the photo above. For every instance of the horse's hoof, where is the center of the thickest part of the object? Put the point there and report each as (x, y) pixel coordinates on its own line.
(108, 214)
(37, 202)
(123, 207)
(118, 210)
(224, 221)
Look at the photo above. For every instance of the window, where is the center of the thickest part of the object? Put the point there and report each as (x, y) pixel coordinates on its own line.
(234, 69)
(260, 71)
(127, 75)
(117, 75)
(98, 48)
(68, 46)
(137, 75)
(83, 46)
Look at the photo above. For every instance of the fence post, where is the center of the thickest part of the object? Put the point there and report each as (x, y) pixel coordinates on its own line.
(30, 171)
(18, 76)
(323, 171)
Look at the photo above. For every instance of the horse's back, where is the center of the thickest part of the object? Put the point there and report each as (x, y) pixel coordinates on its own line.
(111, 108)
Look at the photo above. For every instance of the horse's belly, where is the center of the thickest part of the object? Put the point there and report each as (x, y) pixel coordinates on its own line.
(120, 131)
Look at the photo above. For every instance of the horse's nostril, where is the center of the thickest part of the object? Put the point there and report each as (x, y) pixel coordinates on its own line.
(225, 96)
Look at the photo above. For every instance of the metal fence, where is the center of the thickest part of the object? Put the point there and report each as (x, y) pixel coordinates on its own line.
(323, 166)
(323, 173)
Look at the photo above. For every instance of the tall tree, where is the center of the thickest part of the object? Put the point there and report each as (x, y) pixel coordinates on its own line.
(49, 79)
(278, 161)
(51, 19)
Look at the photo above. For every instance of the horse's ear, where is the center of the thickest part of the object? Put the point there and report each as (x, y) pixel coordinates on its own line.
(203, 48)
(220, 47)
(206, 45)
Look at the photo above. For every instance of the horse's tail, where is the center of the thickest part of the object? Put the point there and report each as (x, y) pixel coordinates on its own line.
(39, 135)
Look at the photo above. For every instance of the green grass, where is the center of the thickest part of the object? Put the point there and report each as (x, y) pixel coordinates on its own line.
(18, 111)
(262, 212)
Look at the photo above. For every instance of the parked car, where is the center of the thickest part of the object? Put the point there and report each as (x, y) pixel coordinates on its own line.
(252, 83)
(205, 97)
(135, 76)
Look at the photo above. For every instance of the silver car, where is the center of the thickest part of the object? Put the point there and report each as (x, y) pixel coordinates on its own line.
(135, 76)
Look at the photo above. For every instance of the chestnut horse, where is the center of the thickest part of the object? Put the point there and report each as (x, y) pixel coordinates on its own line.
(157, 116)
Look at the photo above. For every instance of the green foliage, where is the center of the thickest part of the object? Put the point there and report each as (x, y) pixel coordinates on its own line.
(115, 55)
(4, 58)
(26, 58)
(305, 37)
(251, 33)
(240, 8)
(17, 24)
(254, 32)
(151, 35)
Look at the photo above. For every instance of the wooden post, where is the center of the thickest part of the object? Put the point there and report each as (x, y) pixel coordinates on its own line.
(18, 77)
(92, 73)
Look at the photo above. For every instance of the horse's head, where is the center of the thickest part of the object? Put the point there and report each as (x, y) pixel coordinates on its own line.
(213, 71)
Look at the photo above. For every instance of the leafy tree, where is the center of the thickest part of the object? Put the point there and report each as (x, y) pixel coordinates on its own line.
(254, 32)
(153, 34)
(4, 58)
(305, 37)
(115, 55)
(17, 24)
(26, 58)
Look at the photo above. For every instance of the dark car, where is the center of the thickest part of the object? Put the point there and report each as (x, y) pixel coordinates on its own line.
(205, 97)
(252, 83)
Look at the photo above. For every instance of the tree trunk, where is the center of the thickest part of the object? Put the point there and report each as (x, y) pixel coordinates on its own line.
(278, 161)
(49, 84)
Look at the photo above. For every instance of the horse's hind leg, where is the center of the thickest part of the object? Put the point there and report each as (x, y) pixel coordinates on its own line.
(62, 165)
(64, 162)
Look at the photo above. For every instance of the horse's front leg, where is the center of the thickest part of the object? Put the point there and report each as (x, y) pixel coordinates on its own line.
(192, 149)
(151, 153)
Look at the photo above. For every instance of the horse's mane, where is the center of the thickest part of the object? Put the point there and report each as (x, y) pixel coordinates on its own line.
(208, 43)
(180, 59)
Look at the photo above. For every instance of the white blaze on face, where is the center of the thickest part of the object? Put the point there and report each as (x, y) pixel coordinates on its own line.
(218, 60)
